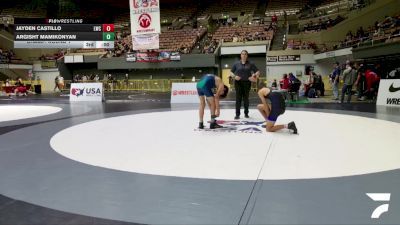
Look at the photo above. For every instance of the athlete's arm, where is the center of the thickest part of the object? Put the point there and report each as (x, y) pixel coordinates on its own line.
(220, 91)
(257, 74)
(262, 93)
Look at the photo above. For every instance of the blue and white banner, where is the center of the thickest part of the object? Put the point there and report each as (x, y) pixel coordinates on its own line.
(86, 92)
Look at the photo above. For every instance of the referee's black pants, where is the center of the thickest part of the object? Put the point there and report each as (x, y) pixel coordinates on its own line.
(242, 93)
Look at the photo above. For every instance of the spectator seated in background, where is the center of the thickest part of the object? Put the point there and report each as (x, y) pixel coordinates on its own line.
(274, 85)
(6, 56)
(360, 33)
(284, 83)
(357, 4)
(318, 85)
(385, 31)
(270, 27)
(274, 20)
(309, 82)
(312, 86)
(321, 24)
(388, 22)
(394, 74)
(294, 86)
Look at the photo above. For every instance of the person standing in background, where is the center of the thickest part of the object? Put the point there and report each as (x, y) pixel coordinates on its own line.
(285, 83)
(274, 20)
(56, 79)
(126, 81)
(243, 72)
(349, 77)
(61, 83)
(372, 81)
(111, 82)
(360, 82)
(334, 79)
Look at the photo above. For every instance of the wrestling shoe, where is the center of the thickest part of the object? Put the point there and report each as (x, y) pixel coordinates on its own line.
(292, 126)
(201, 125)
(215, 125)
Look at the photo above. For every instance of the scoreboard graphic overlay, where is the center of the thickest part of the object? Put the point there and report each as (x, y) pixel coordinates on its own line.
(62, 33)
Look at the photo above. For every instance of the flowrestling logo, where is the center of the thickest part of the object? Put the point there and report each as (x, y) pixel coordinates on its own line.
(235, 126)
(379, 197)
(184, 92)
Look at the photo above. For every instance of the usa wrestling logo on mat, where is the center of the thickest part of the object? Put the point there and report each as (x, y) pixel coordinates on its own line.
(234, 126)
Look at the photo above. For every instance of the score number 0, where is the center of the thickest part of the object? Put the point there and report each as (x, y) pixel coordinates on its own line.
(108, 27)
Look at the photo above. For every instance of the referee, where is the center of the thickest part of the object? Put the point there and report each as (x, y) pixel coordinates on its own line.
(244, 73)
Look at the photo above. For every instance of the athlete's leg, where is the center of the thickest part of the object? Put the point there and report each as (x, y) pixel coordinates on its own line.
(273, 117)
(271, 127)
(211, 105)
(265, 111)
(202, 106)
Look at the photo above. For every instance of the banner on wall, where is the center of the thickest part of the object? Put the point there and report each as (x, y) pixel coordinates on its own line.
(153, 57)
(131, 57)
(272, 58)
(284, 58)
(289, 58)
(175, 56)
(389, 93)
(147, 57)
(145, 17)
(146, 41)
